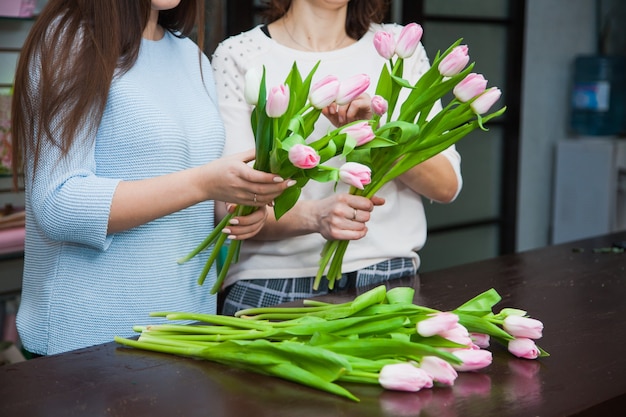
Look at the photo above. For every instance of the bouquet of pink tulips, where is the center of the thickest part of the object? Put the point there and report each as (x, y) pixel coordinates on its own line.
(282, 119)
(414, 138)
(376, 151)
(381, 338)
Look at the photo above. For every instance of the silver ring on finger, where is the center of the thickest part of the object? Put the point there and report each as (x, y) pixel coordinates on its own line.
(255, 201)
(354, 215)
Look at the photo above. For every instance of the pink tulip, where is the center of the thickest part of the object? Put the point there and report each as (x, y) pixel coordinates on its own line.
(408, 40)
(480, 339)
(523, 347)
(404, 377)
(379, 105)
(519, 326)
(252, 86)
(352, 88)
(324, 92)
(454, 62)
(439, 370)
(384, 44)
(361, 132)
(277, 101)
(471, 86)
(483, 102)
(303, 156)
(437, 323)
(355, 174)
(473, 359)
(457, 334)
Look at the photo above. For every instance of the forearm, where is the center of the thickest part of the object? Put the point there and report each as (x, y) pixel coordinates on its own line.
(435, 179)
(300, 220)
(137, 202)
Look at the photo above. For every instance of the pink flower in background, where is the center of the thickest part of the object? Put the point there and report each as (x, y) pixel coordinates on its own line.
(523, 347)
(519, 326)
(455, 61)
(457, 334)
(324, 92)
(480, 339)
(473, 359)
(379, 105)
(439, 370)
(303, 156)
(408, 40)
(437, 323)
(277, 101)
(483, 103)
(384, 44)
(404, 377)
(355, 174)
(470, 87)
(361, 132)
(352, 88)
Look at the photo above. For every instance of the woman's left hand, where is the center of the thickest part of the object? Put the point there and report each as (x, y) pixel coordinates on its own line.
(245, 227)
(358, 109)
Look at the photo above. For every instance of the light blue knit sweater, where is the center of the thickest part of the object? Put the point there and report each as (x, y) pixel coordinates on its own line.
(82, 287)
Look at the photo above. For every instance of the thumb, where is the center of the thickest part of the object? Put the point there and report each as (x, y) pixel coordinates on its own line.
(378, 201)
(246, 156)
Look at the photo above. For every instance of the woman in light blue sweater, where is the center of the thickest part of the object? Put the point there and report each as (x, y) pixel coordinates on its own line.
(116, 126)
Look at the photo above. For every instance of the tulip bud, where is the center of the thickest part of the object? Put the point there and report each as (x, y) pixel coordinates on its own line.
(454, 62)
(277, 101)
(352, 88)
(473, 359)
(408, 40)
(361, 132)
(519, 326)
(523, 347)
(480, 339)
(404, 377)
(355, 174)
(457, 334)
(437, 323)
(252, 86)
(483, 102)
(379, 105)
(324, 92)
(439, 370)
(303, 156)
(384, 44)
(471, 86)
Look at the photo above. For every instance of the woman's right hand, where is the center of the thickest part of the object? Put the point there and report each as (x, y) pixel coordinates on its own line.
(344, 216)
(231, 179)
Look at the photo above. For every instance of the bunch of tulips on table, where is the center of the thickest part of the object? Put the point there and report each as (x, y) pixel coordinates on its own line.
(380, 337)
(398, 137)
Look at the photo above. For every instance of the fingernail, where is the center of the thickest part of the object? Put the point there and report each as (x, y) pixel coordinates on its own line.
(278, 179)
(225, 230)
(233, 222)
(291, 183)
(232, 237)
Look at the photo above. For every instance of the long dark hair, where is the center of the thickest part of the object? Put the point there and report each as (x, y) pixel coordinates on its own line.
(75, 47)
(361, 14)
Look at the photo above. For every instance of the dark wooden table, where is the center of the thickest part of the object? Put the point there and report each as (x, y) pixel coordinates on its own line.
(579, 294)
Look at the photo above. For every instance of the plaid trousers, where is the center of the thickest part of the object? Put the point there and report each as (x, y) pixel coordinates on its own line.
(252, 293)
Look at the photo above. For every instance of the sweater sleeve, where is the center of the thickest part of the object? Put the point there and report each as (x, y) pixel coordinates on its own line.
(234, 109)
(70, 202)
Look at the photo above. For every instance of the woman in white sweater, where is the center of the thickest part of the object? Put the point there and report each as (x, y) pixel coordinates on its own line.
(279, 263)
